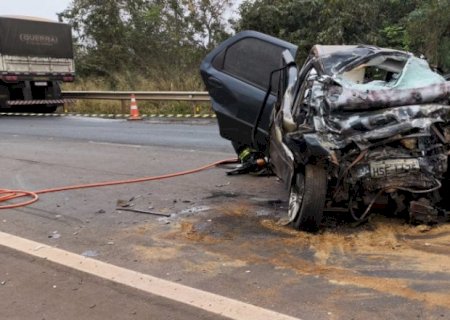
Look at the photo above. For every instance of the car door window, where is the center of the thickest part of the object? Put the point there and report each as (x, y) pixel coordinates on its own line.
(251, 60)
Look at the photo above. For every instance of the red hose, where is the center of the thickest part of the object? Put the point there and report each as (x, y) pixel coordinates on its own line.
(6, 195)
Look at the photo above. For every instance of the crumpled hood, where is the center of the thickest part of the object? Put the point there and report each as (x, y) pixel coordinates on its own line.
(348, 111)
(365, 127)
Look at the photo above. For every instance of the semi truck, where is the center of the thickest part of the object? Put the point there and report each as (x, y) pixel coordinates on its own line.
(36, 56)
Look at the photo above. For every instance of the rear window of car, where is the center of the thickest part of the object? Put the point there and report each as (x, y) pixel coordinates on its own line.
(251, 60)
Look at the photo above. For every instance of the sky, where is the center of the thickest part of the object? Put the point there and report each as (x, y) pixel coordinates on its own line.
(36, 8)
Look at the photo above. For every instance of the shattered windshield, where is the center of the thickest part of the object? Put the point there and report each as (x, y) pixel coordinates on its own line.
(386, 70)
(388, 73)
(373, 68)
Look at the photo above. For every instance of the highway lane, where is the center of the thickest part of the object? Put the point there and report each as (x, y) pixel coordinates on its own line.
(222, 236)
(197, 134)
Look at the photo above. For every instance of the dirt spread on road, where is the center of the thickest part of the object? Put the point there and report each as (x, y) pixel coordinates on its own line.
(156, 252)
(188, 231)
(385, 255)
(385, 240)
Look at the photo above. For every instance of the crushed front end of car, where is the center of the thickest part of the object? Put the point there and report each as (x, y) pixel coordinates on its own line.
(356, 128)
(374, 124)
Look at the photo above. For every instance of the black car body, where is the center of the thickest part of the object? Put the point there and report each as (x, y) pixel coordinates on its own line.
(355, 127)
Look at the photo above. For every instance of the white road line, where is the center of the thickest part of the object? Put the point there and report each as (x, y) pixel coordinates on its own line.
(207, 301)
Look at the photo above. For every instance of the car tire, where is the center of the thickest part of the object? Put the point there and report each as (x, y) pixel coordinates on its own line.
(314, 188)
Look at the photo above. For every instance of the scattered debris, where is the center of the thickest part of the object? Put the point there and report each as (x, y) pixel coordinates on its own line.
(54, 235)
(223, 185)
(263, 213)
(145, 212)
(90, 253)
(422, 211)
(124, 203)
(195, 209)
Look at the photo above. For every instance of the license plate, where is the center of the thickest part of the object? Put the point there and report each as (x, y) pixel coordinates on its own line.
(40, 83)
(379, 169)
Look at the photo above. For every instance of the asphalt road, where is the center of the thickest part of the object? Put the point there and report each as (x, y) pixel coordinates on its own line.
(199, 135)
(222, 235)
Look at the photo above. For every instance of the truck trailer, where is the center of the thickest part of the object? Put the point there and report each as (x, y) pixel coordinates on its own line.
(36, 55)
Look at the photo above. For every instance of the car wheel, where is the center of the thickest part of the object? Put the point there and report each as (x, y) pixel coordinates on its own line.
(296, 196)
(311, 189)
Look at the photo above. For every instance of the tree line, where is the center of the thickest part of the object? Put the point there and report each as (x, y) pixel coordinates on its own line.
(166, 39)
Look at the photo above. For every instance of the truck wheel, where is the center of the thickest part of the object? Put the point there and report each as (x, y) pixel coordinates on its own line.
(313, 185)
(4, 96)
(47, 109)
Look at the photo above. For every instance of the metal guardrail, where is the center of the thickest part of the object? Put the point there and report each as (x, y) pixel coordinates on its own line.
(124, 96)
(194, 96)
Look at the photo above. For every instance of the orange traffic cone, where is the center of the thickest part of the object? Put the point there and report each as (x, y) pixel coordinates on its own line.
(134, 111)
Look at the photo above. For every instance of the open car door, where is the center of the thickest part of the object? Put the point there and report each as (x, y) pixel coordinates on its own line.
(237, 77)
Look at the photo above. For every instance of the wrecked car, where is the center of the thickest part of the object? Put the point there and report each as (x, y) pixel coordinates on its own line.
(355, 128)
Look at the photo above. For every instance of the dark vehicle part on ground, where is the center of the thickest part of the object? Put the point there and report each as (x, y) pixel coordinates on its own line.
(251, 161)
(356, 127)
(35, 56)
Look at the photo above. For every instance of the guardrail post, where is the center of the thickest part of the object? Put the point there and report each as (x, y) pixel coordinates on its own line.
(124, 106)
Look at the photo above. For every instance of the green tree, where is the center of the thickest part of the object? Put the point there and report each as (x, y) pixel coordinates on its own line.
(428, 31)
(100, 34)
(414, 25)
(206, 19)
(157, 39)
